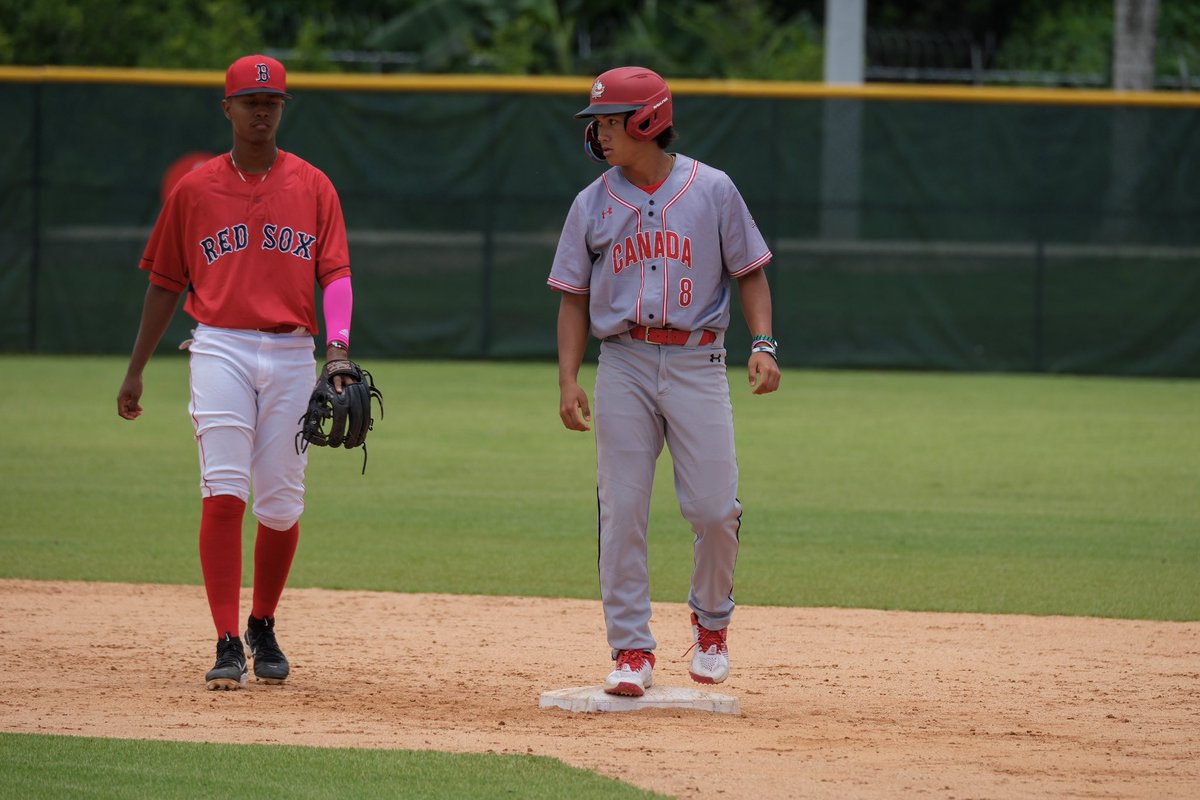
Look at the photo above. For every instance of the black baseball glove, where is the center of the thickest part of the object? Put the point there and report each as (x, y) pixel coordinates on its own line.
(340, 420)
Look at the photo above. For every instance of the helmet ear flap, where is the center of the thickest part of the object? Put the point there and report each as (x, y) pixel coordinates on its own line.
(591, 142)
(652, 118)
(639, 122)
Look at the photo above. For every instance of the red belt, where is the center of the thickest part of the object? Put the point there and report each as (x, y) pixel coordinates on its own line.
(278, 329)
(668, 335)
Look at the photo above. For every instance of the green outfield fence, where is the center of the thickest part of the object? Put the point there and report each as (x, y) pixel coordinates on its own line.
(941, 228)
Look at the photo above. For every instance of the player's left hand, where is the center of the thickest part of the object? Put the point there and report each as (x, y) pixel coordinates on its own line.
(764, 373)
(340, 382)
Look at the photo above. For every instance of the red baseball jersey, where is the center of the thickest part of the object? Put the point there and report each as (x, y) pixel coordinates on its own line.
(250, 248)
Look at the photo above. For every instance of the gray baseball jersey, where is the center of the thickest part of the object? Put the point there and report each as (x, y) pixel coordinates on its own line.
(661, 259)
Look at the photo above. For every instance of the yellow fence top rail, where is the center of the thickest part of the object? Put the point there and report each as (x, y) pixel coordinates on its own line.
(519, 84)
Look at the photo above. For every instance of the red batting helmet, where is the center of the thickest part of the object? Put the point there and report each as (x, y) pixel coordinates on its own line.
(635, 89)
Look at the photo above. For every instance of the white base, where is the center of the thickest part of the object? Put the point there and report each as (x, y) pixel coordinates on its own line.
(594, 698)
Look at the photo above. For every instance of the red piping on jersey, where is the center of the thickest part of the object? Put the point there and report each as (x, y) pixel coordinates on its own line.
(679, 194)
(662, 215)
(665, 290)
(758, 262)
(566, 287)
(637, 212)
(642, 289)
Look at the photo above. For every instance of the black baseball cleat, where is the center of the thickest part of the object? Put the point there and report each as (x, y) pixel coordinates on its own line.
(270, 664)
(230, 670)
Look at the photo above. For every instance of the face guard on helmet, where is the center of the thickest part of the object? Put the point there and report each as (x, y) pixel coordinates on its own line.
(628, 89)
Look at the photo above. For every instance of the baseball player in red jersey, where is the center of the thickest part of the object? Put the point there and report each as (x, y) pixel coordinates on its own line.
(246, 235)
(644, 263)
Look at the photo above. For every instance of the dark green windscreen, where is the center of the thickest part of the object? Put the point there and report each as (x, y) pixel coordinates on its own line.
(906, 234)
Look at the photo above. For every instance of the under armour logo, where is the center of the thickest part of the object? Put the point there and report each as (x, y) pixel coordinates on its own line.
(714, 358)
(607, 213)
(264, 74)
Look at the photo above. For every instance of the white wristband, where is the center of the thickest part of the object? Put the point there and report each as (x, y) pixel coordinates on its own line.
(765, 348)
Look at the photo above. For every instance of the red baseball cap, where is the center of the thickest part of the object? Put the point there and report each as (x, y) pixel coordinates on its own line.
(256, 75)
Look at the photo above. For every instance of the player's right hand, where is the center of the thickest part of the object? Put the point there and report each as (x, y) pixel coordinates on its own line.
(127, 399)
(573, 408)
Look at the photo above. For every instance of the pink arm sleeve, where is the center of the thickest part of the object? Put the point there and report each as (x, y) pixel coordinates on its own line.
(339, 302)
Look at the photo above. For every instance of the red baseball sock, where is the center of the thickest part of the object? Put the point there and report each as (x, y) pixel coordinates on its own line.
(273, 554)
(221, 559)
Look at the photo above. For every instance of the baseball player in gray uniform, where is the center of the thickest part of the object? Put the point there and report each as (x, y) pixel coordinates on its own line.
(645, 263)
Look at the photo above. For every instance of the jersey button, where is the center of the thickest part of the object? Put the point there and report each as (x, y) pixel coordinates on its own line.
(654, 266)
(650, 213)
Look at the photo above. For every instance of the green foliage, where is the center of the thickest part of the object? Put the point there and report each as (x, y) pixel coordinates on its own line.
(439, 32)
(309, 53)
(755, 39)
(1178, 49)
(205, 35)
(1075, 36)
(742, 39)
(115, 768)
(506, 36)
(528, 36)
(730, 39)
(335, 24)
(60, 32)
(166, 33)
(746, 39)
(947, 15)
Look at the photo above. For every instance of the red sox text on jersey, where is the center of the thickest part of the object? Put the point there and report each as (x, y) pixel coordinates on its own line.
(225, 259)
(236, 238)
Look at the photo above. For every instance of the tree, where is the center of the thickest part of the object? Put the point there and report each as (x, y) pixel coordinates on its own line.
(1178, 50)
(165, 33)
(508, 36)
(727, 39)
(1075, 37)
(764, 39)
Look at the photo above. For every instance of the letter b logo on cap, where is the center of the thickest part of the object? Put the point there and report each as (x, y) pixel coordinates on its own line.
(256, 74)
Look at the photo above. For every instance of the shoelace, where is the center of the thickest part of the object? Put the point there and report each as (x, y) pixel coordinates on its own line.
(707, 640)
(229, 653)
(634, 659)
(265, 648)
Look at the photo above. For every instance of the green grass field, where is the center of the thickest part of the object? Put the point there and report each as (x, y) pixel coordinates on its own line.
(1008, 494)
(104, 768)
(947, 492)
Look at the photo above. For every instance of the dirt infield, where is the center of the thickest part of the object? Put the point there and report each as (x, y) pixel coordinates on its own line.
(834, 703)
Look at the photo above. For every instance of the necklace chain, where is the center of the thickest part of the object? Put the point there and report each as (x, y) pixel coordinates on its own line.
(242, 175)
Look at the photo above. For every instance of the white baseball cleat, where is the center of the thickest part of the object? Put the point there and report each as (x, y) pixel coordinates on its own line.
(632, 677)
(710, 662)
